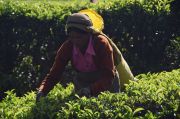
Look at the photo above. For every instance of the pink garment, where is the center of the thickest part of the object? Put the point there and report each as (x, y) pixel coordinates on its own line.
(84, 63)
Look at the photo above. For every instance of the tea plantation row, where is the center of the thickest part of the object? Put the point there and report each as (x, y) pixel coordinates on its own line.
(152, 96)
(146, 31)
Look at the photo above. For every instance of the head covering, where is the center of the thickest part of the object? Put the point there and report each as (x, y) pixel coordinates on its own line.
(86, 20)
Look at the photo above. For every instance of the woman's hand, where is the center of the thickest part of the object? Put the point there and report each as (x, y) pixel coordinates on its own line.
(84, 92)
(39, 95)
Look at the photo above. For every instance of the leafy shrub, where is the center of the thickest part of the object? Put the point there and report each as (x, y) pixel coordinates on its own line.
(153, 96)
(173, 53)
(26, 75)
(146, 32)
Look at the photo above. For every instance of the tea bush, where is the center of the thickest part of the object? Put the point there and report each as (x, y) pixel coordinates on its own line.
(154, 95)
(146, 31)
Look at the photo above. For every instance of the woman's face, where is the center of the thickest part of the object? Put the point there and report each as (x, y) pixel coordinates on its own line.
(80, 40)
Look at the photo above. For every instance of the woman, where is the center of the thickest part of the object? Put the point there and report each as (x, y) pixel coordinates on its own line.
(90, 54)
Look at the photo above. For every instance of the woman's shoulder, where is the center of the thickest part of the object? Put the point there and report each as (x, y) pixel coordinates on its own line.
(101, 39)
(66, 46)
(66, 43)
(101, 42)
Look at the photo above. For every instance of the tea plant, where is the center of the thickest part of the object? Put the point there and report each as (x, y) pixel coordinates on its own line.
(152, 96)
(34, 30)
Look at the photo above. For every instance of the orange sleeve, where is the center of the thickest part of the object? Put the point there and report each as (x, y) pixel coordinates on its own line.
(105, 63)
(52, 78)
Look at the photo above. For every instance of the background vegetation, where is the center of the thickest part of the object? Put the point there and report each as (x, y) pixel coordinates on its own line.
(146, 31)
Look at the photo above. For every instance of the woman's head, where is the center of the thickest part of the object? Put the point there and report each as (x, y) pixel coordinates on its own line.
(79, 21)
(78, 37)
(86, 20)
(81, 25)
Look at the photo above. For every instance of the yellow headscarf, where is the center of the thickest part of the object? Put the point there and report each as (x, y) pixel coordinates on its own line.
(87, 20)
(96, 19)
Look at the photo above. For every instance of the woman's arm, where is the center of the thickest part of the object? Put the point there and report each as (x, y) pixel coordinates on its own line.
(52, 78)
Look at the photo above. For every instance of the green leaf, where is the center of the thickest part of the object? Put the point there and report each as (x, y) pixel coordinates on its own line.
(138, 110)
